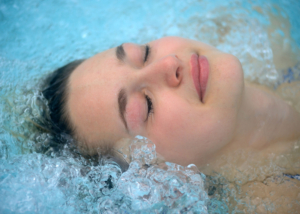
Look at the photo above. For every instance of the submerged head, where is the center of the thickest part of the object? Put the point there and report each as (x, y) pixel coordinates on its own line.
(182, 94)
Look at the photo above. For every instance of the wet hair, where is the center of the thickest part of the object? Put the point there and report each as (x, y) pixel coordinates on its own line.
(55, 91)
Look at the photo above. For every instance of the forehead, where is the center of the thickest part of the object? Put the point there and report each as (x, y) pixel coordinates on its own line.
(94, 66)
(92, 100)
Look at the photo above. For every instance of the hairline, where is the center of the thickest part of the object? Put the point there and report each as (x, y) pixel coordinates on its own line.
(81, 141)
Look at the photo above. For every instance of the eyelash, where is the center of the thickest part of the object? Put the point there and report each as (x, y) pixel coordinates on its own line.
(148, 99)
(150, 106)
(147, 52)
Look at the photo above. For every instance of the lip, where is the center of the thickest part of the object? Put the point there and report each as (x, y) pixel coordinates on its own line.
(200, 73)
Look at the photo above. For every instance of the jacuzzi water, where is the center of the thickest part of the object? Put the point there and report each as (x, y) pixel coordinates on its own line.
(38, 36)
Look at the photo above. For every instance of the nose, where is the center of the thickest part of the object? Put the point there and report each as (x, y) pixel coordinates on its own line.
(164, 71)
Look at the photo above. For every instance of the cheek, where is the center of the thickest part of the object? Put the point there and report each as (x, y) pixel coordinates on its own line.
(173, 125)
(183, 128)
(182, 133)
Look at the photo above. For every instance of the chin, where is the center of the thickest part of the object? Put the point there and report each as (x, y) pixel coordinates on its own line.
(226, 81)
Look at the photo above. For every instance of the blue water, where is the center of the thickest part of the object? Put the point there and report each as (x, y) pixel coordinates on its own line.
(38, 36)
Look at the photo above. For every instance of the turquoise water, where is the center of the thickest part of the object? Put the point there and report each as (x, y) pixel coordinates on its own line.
(38, 36)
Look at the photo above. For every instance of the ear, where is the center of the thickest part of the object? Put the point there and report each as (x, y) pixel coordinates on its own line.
(159, 158)
(123, 149)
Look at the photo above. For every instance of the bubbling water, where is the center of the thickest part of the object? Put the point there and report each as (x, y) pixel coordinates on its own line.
(75, 186)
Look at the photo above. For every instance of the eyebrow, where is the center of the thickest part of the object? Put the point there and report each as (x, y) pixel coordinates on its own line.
(122, 102)
(120, 53)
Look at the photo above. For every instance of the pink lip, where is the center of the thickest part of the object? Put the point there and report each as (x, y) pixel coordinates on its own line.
(200, 73)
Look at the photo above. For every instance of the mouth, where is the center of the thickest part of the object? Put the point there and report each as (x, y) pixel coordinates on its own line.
(200, 73)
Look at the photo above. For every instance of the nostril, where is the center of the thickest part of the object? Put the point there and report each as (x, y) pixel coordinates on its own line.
(177, 73)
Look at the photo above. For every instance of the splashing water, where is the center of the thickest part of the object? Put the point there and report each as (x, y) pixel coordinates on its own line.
(77, 187)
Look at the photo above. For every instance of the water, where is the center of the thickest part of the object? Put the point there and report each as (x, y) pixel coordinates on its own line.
(39, 36)
(74, 186)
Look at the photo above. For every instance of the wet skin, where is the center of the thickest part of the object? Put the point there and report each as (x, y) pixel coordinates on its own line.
(184, 128)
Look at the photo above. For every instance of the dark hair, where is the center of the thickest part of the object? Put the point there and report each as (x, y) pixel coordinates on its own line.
(55, 91)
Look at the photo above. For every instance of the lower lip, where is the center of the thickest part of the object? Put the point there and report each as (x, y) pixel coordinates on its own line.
(200, 73)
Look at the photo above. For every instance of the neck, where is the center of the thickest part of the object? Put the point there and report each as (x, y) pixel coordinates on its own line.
(265, 120)
(266, 124)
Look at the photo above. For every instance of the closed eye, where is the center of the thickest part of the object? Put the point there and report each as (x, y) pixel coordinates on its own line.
(149, 105)
(147, 52)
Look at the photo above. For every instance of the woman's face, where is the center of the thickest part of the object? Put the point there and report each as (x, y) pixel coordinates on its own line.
(150, 91)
